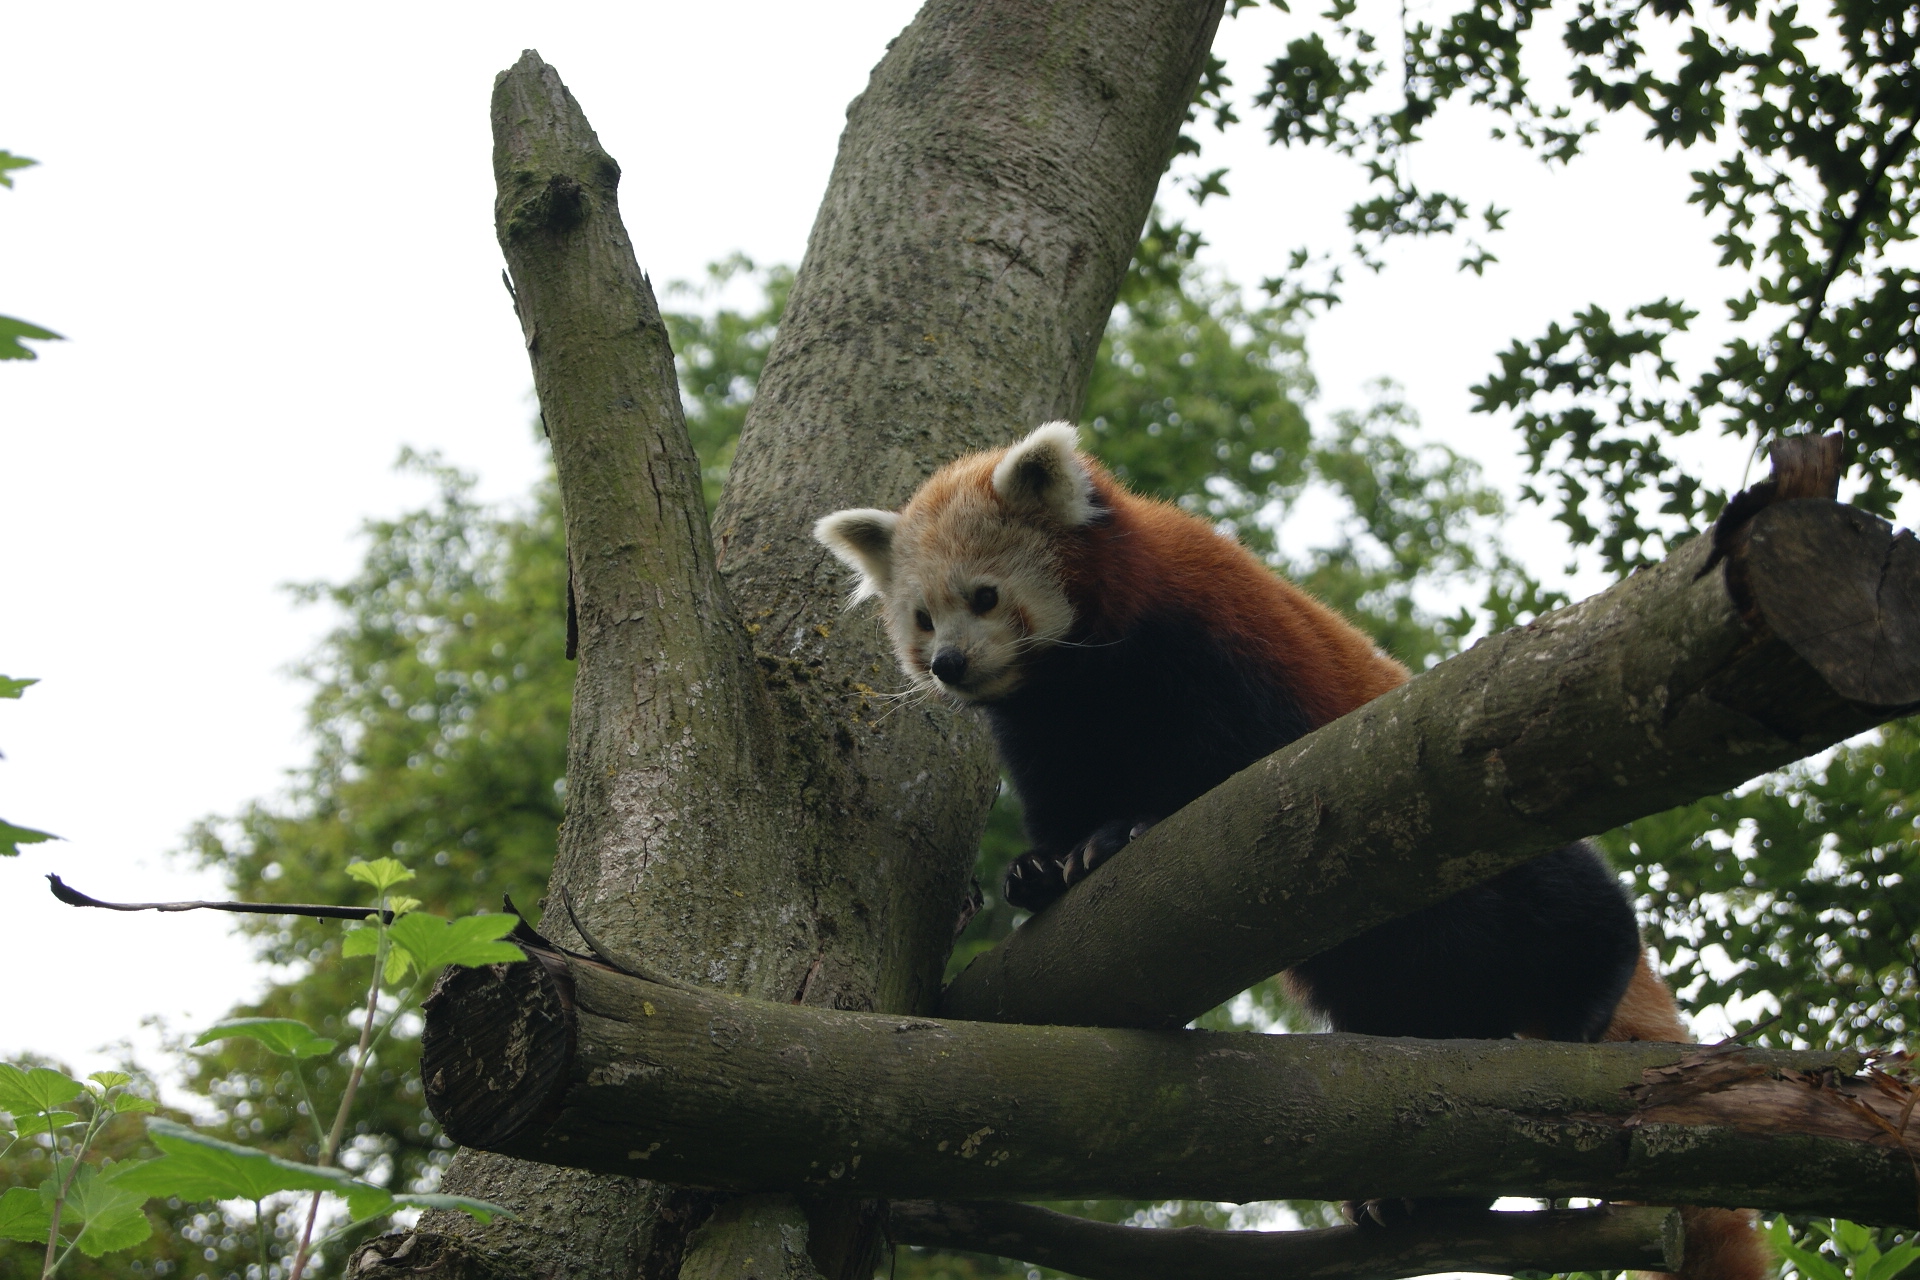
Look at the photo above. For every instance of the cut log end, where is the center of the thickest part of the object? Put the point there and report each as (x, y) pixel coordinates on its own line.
(1843, 590)
(495, 1050)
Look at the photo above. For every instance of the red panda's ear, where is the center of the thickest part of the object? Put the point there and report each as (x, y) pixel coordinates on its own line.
(1043, 474)
(863, 538)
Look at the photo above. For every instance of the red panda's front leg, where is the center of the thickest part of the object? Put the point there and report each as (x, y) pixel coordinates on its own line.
(1040, 875)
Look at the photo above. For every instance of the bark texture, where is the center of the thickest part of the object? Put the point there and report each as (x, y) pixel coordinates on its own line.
(742, 811)
(719, 1091)
(1674, 684)
(990, 187)
(1616, 1237)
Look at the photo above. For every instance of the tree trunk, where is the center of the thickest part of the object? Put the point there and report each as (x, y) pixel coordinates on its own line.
(747, 1095)
(744, 811)
(1676, 683)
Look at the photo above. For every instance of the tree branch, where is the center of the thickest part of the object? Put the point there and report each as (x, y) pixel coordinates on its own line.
(1616, 1237)
(670, 726)
(569, 1063)
(1669, 686)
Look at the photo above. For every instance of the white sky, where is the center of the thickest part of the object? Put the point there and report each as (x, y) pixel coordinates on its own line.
(267, 233)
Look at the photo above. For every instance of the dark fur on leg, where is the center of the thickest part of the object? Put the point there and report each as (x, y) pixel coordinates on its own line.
(1544, 950)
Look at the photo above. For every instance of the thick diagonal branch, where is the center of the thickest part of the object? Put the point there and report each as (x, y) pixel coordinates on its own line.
(1614, 1238)
(1669, 686)
(602, 1071)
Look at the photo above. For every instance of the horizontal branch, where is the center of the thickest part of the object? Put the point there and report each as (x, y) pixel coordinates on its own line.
(563, 1062)
(1613, 1238)
(1681, 681)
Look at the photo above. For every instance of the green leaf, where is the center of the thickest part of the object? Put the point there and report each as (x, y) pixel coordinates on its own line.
(109, 1209)
(125, 1102)
(12, 686)
(9, 162)
(39, 1089)
(110, 1079)
(363, 941)
(1897, 1259)
(482, 1211)
(45, 1122)
(12, 837)
(287, 1037)
(398, 962)
(382, 873)
(23, 1217)
(1854, 1240)
(367, 1201)
(12, 330)
(198, 1167)
(470, 940)
(1811, 1266)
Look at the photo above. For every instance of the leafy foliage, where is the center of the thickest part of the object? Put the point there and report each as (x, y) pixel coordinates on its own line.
(1796, 892)
(11, 836)
(719, 354)
(12, 330)
(1806, 125)
(97, 1208)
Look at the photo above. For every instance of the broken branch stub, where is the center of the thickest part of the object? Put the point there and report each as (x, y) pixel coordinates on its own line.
(603, 1071)
(1673, 684)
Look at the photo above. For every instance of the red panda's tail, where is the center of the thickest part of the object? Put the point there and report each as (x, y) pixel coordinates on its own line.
(1721, 1244)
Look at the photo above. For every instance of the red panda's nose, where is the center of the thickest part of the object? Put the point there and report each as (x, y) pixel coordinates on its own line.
(950, 665)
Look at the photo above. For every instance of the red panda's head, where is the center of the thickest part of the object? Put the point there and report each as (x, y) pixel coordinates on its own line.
(969, 571)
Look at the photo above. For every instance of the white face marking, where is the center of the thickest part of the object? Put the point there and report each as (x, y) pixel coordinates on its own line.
(978, 586)
(968, 572)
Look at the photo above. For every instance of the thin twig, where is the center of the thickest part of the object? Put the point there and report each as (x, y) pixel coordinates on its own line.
(321, 911)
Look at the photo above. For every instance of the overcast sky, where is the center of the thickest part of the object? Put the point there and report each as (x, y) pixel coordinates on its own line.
(267, 233)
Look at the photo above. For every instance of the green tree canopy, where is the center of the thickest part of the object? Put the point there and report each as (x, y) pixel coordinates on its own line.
(1803, 117)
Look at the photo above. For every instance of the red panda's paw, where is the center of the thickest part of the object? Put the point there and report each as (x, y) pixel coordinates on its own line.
(1033, 880)
(1107, 839)
(1038, 876)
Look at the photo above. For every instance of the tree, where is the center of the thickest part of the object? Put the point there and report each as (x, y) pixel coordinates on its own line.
(749, 624)
(437, 703)
(556, 221)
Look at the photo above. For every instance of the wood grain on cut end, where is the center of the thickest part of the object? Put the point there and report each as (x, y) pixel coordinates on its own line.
(1843, 590)
(495, 1050)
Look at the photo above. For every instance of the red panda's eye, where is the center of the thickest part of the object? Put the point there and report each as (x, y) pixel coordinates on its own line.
(922, 619)
(984, 598)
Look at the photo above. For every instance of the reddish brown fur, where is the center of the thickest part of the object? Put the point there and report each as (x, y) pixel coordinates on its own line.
(1146, 553)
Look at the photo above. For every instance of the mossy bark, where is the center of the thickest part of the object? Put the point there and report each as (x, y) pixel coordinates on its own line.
(1679, 682)
(742, 1095)
(742, 811)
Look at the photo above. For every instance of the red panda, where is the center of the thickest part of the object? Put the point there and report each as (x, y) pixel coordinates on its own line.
(1128, 659)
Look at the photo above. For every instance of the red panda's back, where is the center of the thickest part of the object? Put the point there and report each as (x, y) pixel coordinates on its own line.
(1151, 558)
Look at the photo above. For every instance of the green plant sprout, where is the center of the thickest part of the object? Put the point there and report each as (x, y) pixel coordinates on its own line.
(1856, 1251)
(100, 1208)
